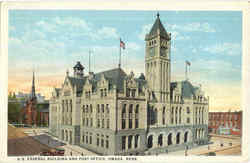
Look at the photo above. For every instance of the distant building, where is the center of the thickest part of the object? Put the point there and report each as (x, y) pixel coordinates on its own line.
(26, 96)
(226, 123)
(36, 108)
(114, 113)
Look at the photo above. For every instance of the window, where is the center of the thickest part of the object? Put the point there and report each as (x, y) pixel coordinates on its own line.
(136, 140)
(163, 116)
(87, 109)
(130, 141)
(107, 144)
(105, 92)
(91, 122)
(91, 109)
(107, 123)
(97, 141)
(87, 121)
(123, 142)
(124, 116)
(128, 92)
(83, 136)
(98, 108)
(102, 143)
(123, 123)
(90, 139)
(87, 141)
(102, 108)
(188, 110)
(102, 123)
(101, 92)
(136, 123)
(130, 116)
(98, 123)
(188, 120)
(133, 92)
(107, 108)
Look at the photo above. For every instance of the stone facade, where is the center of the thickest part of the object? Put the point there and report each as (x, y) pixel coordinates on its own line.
(114, 113)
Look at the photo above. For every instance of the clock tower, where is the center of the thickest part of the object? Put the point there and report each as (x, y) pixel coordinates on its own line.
(157, 61)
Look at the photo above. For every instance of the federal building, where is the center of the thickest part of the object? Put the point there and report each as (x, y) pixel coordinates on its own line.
(114, 113)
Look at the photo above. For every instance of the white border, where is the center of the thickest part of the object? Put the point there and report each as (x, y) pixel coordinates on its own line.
(125, 5)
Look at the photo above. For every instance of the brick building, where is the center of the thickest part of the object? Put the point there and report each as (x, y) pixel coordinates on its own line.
(229, 123)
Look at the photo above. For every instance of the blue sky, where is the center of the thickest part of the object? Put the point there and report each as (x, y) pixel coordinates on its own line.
(52, 41)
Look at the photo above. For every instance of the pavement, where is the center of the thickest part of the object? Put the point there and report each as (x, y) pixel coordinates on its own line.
(231, 145)
(44, 138)
(215, 146)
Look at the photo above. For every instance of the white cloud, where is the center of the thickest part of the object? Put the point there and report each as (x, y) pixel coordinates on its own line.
(145, 30)
(195, 26)
(77, 27)
(132, 46)
(107, 32)
(224, 48)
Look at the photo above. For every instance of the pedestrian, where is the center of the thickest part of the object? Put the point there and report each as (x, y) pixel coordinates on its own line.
(70, 153)
(81, 154)
(208, 147)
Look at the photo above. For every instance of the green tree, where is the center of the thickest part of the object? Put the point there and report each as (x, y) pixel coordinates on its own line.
(14, 112)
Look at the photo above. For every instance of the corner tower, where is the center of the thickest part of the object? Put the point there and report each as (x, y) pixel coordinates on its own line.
(157, 61)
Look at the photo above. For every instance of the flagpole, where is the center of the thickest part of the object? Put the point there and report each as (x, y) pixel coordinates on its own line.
(120, 54)
(186, 70)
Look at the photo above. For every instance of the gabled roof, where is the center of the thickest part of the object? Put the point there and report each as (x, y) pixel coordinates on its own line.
(187, 89)
(78, 82)
(158, 25)
(114, 76)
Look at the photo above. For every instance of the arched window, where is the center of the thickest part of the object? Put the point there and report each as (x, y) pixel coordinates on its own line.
(137, 116)
(150, 141)
(178, 138)
(130, 124)
(107, 108)
(124, 116)
(180, 116)
(87, 109)
(136, 140)
(163, 115)
(170, 139)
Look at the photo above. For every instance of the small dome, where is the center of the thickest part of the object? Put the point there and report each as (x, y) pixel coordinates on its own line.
(78, 66)
(142, 77)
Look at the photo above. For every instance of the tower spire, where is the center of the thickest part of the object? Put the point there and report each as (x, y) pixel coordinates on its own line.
(33, 90)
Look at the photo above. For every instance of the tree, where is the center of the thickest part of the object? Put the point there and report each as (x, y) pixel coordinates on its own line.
(14, 110)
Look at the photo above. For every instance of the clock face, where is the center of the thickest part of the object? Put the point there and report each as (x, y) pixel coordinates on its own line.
(152, 51)
(163, 52)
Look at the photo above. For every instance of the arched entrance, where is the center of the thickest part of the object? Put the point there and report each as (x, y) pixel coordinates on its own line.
(150, 141)
(170, 139)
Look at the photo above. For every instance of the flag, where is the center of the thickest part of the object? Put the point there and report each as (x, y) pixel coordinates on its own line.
(122, 44)
(188, 63)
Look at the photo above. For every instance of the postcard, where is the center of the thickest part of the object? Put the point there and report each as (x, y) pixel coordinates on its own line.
(89, 82)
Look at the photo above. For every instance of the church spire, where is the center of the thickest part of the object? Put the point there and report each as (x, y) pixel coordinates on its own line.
(33, 90)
